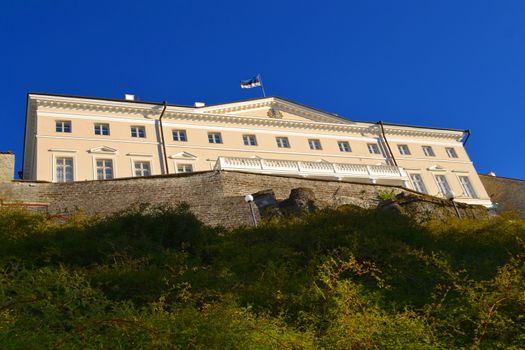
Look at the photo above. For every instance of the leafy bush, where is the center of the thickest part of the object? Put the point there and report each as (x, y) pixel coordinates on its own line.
(386, 195)
(157, 278)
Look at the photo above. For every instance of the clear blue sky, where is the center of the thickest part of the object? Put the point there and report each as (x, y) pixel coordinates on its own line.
(457, 64)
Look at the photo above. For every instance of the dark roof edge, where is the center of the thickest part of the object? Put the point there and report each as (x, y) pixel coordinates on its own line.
(105, 99)
(419, 126)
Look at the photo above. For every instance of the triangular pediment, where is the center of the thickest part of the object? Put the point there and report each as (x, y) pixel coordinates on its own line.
(183, 155)
(103, 150)
(274, 108)
(436, 168)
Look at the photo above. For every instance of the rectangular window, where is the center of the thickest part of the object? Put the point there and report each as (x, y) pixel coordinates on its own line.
(467, 187)
(64, 169)
(184, 168)
(214, 137)
(429, 152)
(104, 169)
(179, 135)
(142, 168)
(63, 126)
(249, 140)
(451, 152)
(138, 131)
(102, 129)
(315, 144)
(418, 183)
(443, 185)
(373, 148)
(404, 150)
(282, 142)
(344, 146)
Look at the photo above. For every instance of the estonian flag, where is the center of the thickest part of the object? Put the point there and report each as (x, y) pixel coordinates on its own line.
(251, 83)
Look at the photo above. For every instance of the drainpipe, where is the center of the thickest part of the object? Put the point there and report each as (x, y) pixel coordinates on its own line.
(380, 123)
(466, 139)
(165, 155)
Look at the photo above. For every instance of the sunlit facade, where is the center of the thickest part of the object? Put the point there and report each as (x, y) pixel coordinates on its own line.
(71, 138)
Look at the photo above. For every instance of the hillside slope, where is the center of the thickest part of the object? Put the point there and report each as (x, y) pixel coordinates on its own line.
(336, 279)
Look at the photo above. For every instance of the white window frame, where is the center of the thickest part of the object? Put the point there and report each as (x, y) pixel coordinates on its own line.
(249, 139)
(424, 188)
(62, 126)
(63, 153)
(436, 176)
(315, 144)
(104, 155)
(346, 146)
(137, 129)
(280, 144)
(134, 164)
(404, 150)
(104, 167)
(474, 194)
(213, 135)
(179, 132)
(373, 148)
(177, 164)
(428, 151)
(451, 152)
(63, 156)
(100, 126)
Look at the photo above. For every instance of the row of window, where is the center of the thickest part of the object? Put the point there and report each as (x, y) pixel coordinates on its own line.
(64, 126)
(443, 185)
(64, 170)
(251, 140)
(315, 144)
(281, 141)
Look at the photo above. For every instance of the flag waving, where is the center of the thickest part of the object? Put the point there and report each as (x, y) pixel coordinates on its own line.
(251, 83)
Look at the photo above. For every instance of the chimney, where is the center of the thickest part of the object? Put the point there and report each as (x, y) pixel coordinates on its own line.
(129, 97)
(7, 166)
(200, 104)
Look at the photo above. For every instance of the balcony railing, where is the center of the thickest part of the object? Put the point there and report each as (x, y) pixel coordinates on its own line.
(305, 168)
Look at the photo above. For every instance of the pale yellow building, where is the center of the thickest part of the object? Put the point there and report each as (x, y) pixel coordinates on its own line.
(70, 138)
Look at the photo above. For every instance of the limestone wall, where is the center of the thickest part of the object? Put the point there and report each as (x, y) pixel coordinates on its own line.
(7, 166)
(217, 198)
(508, 193)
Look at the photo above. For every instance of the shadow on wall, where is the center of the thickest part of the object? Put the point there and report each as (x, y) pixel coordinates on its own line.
(419, 207)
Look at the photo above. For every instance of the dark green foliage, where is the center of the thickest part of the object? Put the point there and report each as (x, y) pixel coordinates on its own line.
(155, 278)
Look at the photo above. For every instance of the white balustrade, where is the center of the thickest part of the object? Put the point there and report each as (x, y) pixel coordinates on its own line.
(339, 170)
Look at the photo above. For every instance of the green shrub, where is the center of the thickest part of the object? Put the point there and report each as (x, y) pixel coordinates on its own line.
(157, 278)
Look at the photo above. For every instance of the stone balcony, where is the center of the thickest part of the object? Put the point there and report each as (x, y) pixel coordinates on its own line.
(380, 174)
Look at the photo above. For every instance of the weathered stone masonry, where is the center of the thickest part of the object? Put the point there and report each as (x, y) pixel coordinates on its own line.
(7, 166)
(217, 198)
(509, 194)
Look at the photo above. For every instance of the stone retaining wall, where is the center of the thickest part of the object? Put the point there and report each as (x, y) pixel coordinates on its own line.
(217, 198)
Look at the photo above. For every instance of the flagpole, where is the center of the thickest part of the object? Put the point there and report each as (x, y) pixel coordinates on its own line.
(262, 86)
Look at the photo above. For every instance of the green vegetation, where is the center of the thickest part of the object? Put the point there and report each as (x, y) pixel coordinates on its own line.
(337, 279)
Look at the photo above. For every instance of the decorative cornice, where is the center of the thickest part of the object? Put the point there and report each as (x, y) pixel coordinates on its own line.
(112, 107)
(222, 114)
(355, 128)
(259, 121)
(278, 104)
